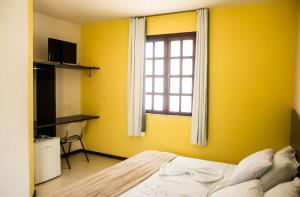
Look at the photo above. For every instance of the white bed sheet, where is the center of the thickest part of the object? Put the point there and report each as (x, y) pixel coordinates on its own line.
(182, 185)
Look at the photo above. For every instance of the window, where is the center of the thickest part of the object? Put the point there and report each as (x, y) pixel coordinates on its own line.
(169, 71)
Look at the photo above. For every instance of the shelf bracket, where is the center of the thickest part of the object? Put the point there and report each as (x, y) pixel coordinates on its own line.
(89, 73)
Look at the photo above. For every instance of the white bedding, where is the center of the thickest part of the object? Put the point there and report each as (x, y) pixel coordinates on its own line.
(181, 185)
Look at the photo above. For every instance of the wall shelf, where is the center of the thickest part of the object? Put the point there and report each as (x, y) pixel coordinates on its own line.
(65, 66)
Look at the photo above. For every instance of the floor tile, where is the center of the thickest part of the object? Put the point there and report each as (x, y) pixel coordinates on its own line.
(80, 169)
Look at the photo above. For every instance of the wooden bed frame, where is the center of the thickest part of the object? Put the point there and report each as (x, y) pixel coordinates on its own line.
(295, 135)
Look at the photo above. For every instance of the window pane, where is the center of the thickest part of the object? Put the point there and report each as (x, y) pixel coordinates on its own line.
(149, 49)
(174, 85)
(159, 67)
(175, 67)
(187, 66)
(187, 49)
(149, 67)
(186, 104)
(174, 104)
(159, 49)
(187, 84)
(159, 85)
(158, 102)
(148, 102)
(175, 48)
(148, 84)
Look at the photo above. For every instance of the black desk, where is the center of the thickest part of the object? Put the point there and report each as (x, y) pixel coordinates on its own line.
(64, 120)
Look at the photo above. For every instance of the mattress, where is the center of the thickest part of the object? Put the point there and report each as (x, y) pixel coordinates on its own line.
(181, 185)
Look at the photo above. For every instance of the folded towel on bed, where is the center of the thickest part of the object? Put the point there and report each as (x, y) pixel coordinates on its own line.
(201, 174)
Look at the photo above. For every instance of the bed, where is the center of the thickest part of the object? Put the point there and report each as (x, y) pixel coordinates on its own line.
(182, 185)
(159, 174)
(141, 176)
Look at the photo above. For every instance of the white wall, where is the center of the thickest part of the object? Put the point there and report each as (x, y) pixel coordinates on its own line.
(297, 92)
(67, 80)
(14, 129)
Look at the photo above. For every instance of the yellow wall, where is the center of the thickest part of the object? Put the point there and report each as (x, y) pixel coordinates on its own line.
(172, 23)
(30, 97)
(251, 83)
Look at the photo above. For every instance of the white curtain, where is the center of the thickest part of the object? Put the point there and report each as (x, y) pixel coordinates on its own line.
(136, 113)
(199, 117)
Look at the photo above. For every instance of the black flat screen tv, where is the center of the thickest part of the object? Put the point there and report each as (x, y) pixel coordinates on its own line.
(61, 51)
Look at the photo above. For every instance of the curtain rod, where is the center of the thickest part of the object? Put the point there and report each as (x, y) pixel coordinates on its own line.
(169, 13)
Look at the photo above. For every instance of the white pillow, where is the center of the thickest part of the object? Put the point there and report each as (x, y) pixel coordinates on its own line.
(251, 188)
(252, 167)
(285, 168)
(288, 189)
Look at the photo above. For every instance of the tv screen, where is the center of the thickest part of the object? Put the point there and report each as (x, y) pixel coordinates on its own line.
(61, 51)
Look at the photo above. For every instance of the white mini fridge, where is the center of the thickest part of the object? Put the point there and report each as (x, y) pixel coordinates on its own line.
(47, 159)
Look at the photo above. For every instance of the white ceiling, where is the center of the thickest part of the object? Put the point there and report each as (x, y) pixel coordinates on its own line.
(89, 11)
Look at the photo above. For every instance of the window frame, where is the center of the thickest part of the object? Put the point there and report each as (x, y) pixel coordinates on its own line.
(167, 38)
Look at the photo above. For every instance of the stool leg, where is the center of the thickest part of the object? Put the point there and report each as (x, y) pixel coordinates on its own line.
(84, 150)
(62, 146)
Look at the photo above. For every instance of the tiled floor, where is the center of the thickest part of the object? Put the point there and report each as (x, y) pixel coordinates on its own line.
(80, 169)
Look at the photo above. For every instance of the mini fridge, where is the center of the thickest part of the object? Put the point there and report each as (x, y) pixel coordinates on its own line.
(47, 163)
